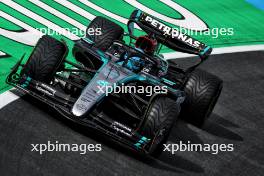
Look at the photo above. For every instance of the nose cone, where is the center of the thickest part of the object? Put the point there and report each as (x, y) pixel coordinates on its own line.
(79, 110)
(86, 101)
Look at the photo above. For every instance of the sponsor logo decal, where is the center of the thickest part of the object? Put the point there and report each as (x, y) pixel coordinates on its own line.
(172, 32)
(81, 107)
(45, 89)
(122, 128)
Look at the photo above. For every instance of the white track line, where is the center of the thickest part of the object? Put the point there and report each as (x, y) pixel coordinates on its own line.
(6, 98)
(58, 14)
(30, 37)
(107, 13)
(2, 53)
(76, 9)
(223, 50)
(103, 11)
(40, 19)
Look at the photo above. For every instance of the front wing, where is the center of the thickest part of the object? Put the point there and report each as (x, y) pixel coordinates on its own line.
(63, 104)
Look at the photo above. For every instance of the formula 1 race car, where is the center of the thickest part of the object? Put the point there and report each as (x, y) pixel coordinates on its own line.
(127, 92)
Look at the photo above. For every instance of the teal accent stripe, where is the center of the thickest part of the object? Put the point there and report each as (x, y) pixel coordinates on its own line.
(205, 50)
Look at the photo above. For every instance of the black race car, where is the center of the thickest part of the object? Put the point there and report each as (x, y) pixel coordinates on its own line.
(79, 89)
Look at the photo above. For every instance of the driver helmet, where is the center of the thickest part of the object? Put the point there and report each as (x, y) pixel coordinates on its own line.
(146, 44)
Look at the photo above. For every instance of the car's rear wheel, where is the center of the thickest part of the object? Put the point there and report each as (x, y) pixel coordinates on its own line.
(160, 117)
(202, 92)
(110, 32)
(45, 59)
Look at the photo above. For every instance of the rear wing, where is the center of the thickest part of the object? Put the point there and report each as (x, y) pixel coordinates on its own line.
(167, 35)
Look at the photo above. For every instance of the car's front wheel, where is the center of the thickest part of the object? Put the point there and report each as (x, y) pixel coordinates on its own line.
(160, 117)
(45, 59)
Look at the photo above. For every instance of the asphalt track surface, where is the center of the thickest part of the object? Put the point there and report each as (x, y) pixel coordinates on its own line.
(238, 118)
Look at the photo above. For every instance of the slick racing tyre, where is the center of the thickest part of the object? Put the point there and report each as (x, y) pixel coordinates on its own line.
(45, 59)
(160, 117)
(202, 92)
(110, 32)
